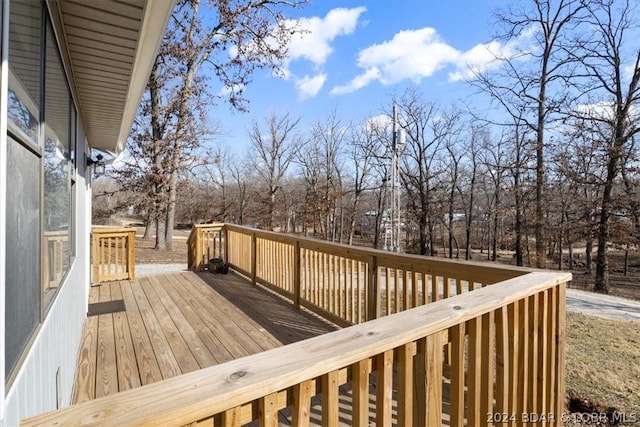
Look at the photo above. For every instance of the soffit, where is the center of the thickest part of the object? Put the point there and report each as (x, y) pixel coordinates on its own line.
(111, 46)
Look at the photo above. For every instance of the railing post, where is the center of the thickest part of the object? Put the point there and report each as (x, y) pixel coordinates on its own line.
(131, 254)
(224, 232)
(198, 245)
(373, 302)
(560, 337)
(95, 276)
(253, 257)
(296, 274)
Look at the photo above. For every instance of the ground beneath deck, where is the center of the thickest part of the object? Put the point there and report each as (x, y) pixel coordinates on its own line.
(177, 323)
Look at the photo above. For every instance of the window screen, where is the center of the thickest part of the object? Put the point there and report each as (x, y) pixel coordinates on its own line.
(22, 313)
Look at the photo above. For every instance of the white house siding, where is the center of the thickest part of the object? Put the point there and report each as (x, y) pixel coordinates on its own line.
(45, 378)
(55, 343)
(58, 340)
(4, 79)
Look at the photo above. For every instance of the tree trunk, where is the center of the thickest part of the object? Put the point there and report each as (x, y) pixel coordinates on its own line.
(589, 253)
(602, 259)
(161, 238)
(354, 215)
(540, 227)
(626, 260)
(149, 227)
(171, 208)
(469, 216)
(518, 220)
(571, 260)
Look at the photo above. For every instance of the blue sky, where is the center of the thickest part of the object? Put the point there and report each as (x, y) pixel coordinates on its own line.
(355, 55)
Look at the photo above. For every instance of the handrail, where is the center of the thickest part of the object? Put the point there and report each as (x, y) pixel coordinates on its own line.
(113, 254)
(204, 242)
(513, 333)
(56, 245)
(348, 284)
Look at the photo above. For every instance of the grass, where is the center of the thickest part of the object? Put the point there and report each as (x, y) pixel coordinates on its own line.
(603, 361)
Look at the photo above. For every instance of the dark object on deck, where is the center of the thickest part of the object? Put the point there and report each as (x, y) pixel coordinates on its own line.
(217, 265)
(105, 307)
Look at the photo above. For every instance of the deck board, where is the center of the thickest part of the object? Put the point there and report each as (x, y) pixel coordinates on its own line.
(166, 359)
(146, 363)
(202, 355)
(177, 322)
(206, 335)
(184, 357)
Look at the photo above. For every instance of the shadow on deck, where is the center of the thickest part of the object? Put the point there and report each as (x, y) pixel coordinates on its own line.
(178, 323)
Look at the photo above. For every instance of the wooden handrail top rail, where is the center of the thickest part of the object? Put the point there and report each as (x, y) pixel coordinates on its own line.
(105, 230)
(59, 233)
(196, 227)
(200, 394)
(497, 272)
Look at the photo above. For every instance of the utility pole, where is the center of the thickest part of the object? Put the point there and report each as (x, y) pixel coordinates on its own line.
(397, 145)
(394, 164)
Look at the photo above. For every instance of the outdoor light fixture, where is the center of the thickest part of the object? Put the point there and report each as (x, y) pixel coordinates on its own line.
(98, 164)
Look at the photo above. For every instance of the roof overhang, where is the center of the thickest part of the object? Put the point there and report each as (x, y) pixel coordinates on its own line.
(111, 46)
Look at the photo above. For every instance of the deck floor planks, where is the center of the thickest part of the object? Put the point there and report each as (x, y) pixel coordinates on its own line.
(85, 386)
(285, 322)
(138, 346)
(249, 334)
(208, 337)
(178, 345)
(194, 343)
(234, 340)
(167, 362)
(228, 288)
(106, 370)
(148, 367)
(127, 367)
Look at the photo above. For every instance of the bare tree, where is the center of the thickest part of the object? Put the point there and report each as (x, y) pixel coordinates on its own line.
(453, 148)
(273, 151)
(468, 201)
(531, 81)
(612, 98)
(495, 161)
(226, 41)
(426, 132)
(364, 149)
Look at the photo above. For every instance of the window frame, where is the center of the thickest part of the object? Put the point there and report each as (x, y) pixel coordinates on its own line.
(49, 40)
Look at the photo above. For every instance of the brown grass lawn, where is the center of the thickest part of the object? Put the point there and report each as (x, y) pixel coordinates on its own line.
(603, 362)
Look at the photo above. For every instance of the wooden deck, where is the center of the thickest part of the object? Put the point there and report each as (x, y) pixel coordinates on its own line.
(178, 323)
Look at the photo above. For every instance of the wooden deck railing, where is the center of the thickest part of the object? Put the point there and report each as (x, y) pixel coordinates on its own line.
(507, 358)
(345, 284)
(56, 246)
(205, 242)
(113, 254)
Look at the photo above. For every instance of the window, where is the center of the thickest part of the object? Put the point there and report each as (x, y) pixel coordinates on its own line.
(24, 163)
(57, 170)
(41, 142)
(23, 302)
(24, 68)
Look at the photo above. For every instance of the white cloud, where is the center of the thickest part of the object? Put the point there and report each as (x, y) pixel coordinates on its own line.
(379, 121)
(309, 87)
(418, 54)
(489, 56)
(228, 90)
(313, 42)
(627, 71)
(481, 57)
(358, 82)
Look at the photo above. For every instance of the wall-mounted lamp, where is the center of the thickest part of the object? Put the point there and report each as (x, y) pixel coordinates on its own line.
(98, 164)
